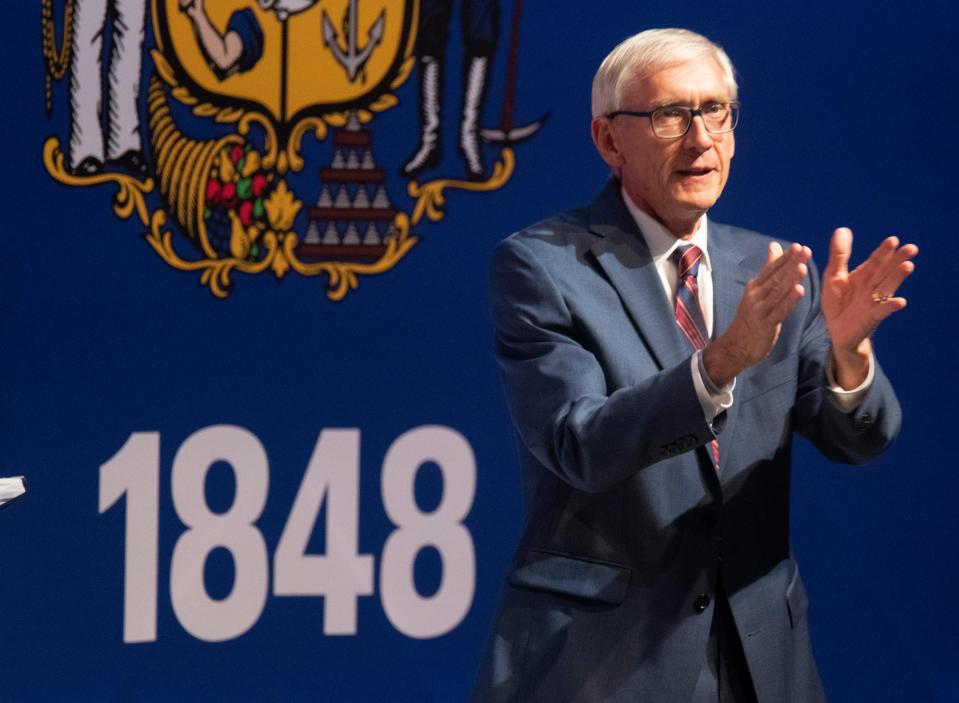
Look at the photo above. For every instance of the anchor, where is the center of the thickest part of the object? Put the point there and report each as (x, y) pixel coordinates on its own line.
(353, 58)
(508, 133)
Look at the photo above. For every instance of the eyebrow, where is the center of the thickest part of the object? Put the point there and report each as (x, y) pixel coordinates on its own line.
(666, 102)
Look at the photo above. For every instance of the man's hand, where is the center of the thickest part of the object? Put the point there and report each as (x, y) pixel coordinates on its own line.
(766, 302)
(854, 303)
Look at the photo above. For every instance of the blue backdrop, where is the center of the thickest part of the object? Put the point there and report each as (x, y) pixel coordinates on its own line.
(849, 116)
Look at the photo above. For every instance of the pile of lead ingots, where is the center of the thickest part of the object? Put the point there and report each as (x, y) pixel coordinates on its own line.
(353, 208)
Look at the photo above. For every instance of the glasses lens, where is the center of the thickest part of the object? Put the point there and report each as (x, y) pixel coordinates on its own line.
(721, 117)
(671, 121)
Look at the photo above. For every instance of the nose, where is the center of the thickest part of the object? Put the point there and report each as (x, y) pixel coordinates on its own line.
(697, 136)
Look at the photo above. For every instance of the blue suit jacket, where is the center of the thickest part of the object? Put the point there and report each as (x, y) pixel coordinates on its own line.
(627, 522)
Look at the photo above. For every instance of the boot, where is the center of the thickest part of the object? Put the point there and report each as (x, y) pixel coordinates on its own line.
(475, 78)
(427, 154)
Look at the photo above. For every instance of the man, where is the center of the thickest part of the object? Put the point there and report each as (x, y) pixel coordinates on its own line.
(655, 388)
(123, 149)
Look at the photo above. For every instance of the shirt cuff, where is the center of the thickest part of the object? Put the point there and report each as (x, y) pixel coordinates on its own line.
(714, 400)
(848, 400)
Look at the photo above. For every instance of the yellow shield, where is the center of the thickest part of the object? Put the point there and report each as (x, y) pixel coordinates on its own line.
(298, 57)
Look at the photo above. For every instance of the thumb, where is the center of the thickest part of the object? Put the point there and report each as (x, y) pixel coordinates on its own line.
(840, 249)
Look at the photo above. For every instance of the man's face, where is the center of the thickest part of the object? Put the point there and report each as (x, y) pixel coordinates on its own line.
(674, 180)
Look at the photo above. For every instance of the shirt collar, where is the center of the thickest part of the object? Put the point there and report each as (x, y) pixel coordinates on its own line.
(661, 241)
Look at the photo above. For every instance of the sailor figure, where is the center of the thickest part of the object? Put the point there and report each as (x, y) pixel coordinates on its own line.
(125, 21)
(480, 31)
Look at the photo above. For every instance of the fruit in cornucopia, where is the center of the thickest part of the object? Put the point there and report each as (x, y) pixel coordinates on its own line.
(258, 209)
(228, 195)
(212, 191)
(241, 237)
(226, 168)
(244, 188)
(236, 153)
(246, 212)
(251, 163)
(259, 185)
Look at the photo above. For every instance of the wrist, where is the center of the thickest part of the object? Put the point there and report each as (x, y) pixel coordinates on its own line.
(721, 363)
(851, 366)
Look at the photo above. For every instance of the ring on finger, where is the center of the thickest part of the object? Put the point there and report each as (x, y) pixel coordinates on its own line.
(879, 297)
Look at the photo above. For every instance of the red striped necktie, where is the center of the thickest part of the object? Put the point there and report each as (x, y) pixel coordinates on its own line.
(689, 314)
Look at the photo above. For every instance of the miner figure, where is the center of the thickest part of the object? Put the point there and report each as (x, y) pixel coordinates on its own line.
(480, 19)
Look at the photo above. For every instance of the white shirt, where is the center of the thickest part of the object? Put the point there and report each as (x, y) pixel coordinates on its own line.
(662, 243)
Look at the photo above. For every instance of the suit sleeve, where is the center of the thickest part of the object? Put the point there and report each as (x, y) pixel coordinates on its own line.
(849, 437)
(557, 391)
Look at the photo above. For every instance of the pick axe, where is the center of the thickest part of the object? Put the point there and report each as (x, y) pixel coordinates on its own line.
(508, 133)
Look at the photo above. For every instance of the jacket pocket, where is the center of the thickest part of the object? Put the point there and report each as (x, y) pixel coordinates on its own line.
(570, 576)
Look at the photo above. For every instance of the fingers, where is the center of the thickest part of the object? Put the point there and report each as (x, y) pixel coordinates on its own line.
(785, 305)
(775, 251)
(884, 258)
(780, 274)
(840, 249)
(891, 266)
(780, 264)
(877, 265)
(774, 292)
(767, 301)
(856, 302)
(887, 308)
(887, 286)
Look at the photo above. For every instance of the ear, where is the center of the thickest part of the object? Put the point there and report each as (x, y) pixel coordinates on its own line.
(605, 140)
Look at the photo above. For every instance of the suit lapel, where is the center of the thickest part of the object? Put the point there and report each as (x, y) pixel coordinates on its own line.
(729, 281)
(622, 253)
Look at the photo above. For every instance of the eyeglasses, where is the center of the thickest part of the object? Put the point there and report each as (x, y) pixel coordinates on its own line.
(673, 121)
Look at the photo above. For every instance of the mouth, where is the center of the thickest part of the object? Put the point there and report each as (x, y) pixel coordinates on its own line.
(700, 172)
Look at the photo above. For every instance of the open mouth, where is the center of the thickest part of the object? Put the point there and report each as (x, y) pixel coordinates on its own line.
(694, 172)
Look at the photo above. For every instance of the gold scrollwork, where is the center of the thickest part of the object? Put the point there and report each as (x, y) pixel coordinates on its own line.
(215, 273)
(320, 131)
(131, 192)
(431, 201)
(343, 274)
(280, 254)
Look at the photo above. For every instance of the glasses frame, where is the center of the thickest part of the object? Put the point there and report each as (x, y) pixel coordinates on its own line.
(693, 112)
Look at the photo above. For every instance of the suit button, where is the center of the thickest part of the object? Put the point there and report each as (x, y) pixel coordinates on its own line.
(701, 603)
(865, 421)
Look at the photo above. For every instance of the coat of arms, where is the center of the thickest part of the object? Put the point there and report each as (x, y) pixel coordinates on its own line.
(242, 133)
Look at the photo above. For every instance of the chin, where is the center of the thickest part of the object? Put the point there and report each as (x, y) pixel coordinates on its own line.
(697, 203)
(701, 195)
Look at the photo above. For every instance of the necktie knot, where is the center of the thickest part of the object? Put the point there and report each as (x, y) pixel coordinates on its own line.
(687, 257)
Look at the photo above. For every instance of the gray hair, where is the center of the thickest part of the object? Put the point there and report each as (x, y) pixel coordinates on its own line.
(646, 53)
